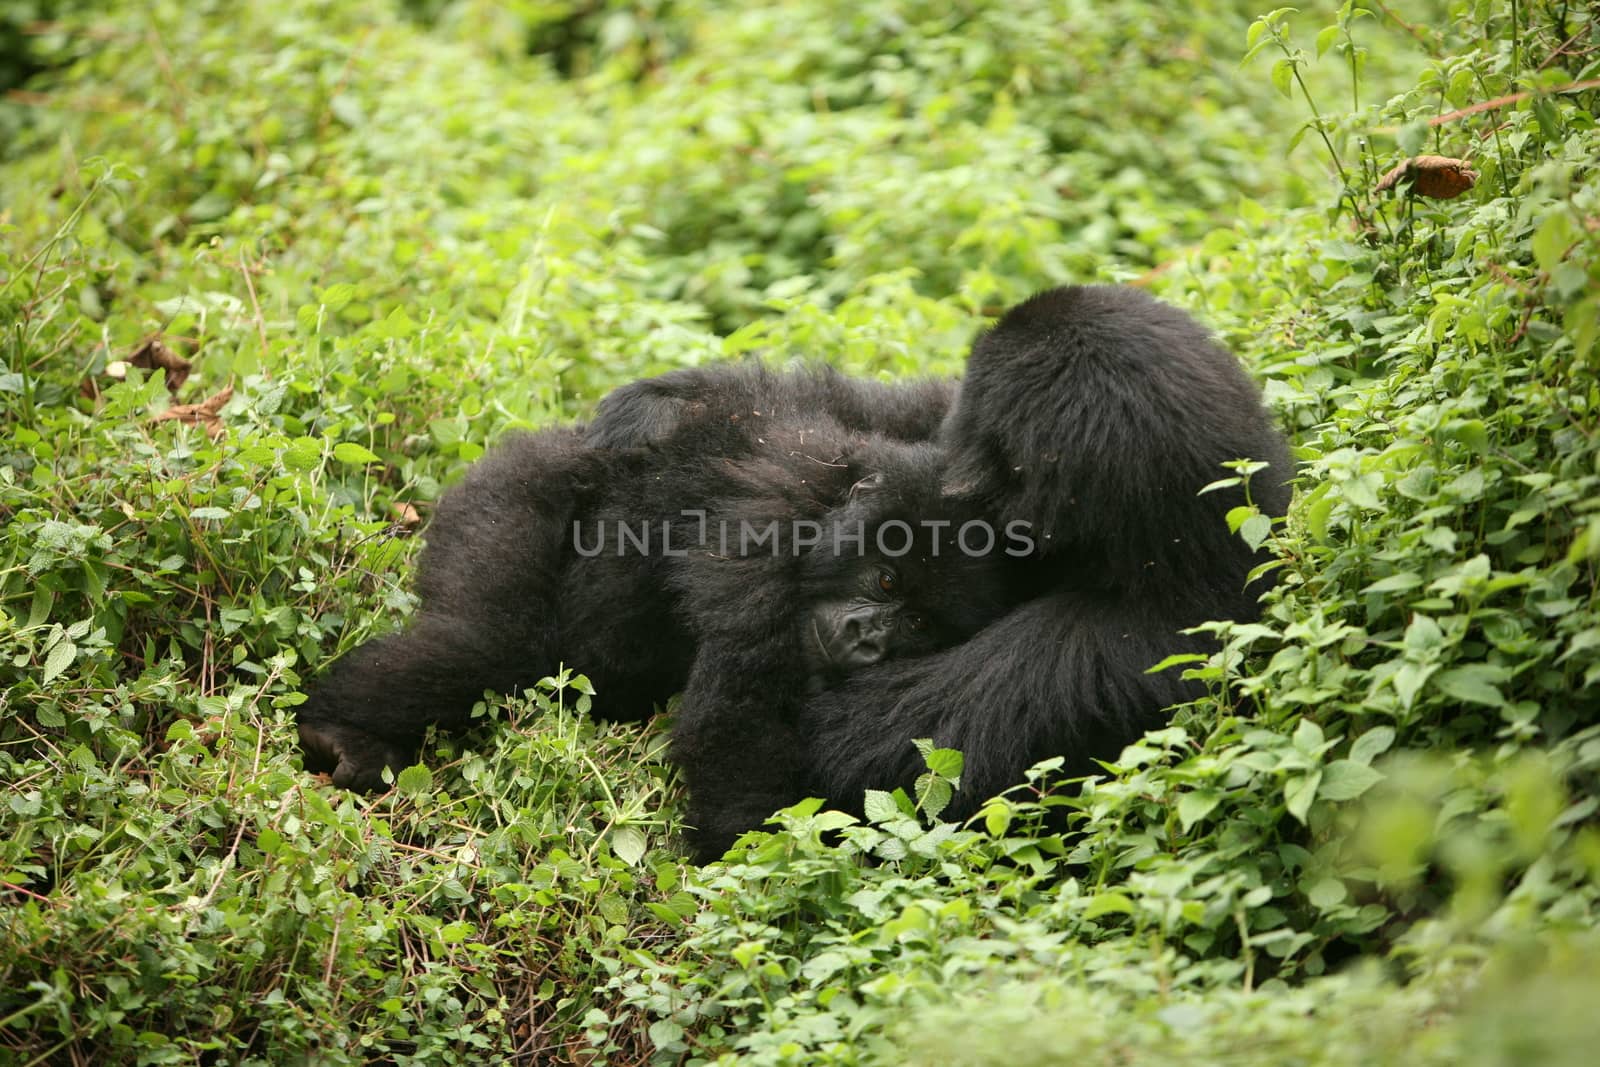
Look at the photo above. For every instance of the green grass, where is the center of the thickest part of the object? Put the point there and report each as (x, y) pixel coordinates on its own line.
(397, 232)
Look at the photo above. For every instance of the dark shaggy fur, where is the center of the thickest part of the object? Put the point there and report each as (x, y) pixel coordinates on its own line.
(658, 410)
(1096, 415)
(739, 739)
(507, 597)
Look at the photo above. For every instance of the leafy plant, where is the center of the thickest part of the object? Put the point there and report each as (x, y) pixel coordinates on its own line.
(271, 275)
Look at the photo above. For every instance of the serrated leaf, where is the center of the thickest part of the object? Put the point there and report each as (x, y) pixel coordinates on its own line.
(58, 659)
(335, 297)
(946, 762)
(414, 781)
(933, 795)
(879, 807)
(350, 452)
(303, 454)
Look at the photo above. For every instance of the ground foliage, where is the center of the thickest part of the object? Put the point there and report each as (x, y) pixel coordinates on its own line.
(272, 273)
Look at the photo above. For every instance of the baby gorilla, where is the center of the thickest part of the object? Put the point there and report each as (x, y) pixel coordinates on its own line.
(806, 622)
(617, 561)
(867, 625)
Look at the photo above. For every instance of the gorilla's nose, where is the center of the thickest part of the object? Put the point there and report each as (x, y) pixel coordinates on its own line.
(863, 642)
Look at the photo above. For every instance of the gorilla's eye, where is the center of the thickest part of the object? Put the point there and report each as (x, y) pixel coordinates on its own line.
(886, 581)
(917, 623)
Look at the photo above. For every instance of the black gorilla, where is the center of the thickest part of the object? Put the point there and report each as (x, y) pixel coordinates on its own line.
(1095, 415)
(614, 559)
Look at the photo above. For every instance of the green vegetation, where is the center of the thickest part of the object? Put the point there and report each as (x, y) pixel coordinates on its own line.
(368, 240)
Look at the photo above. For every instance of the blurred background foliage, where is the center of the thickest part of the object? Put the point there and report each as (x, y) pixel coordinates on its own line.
(271, 274)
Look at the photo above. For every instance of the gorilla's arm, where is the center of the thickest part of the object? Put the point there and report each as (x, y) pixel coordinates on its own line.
(734, 739)
(728, 398)
(1063, 675)
(489, 584)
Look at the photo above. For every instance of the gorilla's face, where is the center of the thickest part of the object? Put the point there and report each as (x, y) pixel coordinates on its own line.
(913, 585)
(878, 616)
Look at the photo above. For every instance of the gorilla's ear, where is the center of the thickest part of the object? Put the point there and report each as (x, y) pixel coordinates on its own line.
(870, 484)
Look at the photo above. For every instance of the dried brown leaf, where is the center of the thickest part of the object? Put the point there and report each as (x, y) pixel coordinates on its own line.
(153, 353)
(1438, 177)
(204, 413)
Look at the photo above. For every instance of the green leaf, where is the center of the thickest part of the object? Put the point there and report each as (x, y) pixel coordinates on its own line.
(1346, 779)
(1256, 530)
(1372, 744)
(415, 781)
(997, 818)
(454, 933)
(303, 454)
(879, 806)
(1300, 791)
(1551, 241)
(666, 1035)
(946, 762)
(1327, 893)
(1473, 683)
(1408, 680)
(1177, 659)
(1196, 805)
(350, 452)
(933, 794)
(1283, 76)
(1308, 737)
(1394, 583)
(58, 659)
(628, 844)
(1423, 636)
(1107, 904)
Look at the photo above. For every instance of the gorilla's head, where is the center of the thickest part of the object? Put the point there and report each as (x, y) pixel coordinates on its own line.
(902, 569)
(1096, 415)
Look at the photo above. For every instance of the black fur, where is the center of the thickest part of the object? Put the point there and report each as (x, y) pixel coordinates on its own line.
(506, 597)
(738, 738)
(1095, 415)
(686, 404)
